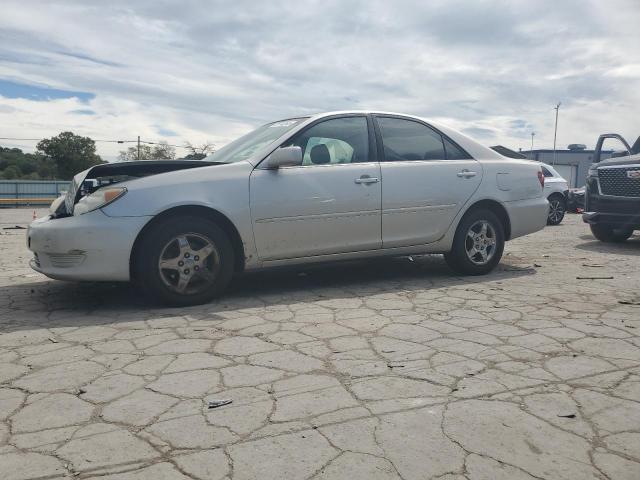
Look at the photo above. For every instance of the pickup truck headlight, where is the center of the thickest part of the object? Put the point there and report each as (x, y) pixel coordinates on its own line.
(593, 171)
(98, 199)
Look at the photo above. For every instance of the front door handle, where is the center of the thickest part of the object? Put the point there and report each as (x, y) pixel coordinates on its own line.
(366, 179)
(466, 174)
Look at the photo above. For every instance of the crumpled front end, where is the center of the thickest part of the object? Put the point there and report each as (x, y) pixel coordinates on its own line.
(77, 240)
(92, 246)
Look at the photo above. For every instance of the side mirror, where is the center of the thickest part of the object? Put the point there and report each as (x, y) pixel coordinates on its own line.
(285, 157)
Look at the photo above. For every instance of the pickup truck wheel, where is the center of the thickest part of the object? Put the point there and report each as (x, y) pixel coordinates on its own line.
(606, 233)
(557, 208)
(478, 244)
(184, 261)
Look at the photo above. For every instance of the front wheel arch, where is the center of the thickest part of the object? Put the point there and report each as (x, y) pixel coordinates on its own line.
(194, 210)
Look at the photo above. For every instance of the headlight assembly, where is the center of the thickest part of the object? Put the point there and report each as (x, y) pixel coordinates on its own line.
(593, 171)
(98, 199)
(56, 204)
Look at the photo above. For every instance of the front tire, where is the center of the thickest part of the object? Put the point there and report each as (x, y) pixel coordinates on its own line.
(557, 209)
(478, 243)
(606, 233)
(184, 261)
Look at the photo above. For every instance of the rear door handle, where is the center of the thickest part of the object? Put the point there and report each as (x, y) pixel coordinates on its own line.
(466, 174)
(366, 179)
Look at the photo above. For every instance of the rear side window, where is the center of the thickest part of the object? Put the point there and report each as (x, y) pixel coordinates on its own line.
(409, 140)
(546, 172)
(454, 152)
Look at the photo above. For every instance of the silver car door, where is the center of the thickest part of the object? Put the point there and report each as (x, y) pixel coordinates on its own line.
(328, 204)
(426, 179)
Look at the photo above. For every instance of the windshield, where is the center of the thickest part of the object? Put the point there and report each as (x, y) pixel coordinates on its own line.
(248, 144)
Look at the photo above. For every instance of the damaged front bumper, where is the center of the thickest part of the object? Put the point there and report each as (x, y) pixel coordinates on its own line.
(92, 246)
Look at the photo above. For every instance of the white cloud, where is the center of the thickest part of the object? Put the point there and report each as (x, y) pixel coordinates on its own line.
(211, 70)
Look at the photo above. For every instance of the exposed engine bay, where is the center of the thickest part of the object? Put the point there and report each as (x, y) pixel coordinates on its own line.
(100, 176)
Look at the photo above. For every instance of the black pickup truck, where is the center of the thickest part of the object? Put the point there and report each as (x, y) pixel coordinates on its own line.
(612, 197)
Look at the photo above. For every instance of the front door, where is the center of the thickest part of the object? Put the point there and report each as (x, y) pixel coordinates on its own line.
(426, 180)
(328, 204)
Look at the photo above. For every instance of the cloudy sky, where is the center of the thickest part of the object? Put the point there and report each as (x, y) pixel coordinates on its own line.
(210, 70)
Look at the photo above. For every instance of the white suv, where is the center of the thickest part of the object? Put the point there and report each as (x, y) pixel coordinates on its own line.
(332, 186)
(555, 189)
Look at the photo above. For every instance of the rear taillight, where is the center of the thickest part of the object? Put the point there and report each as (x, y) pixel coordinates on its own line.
(541, 178)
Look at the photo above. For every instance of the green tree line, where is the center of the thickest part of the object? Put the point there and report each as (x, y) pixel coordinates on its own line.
(56, 158)
(62, 156)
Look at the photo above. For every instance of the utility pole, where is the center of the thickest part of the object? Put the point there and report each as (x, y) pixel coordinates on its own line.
(139, 147)
(532, 135)
(555, 133)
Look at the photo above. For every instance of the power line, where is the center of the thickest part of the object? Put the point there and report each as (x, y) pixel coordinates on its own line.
(101, 141)
(26, 139)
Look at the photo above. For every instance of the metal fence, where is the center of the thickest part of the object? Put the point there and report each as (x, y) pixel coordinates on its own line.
(15, 193)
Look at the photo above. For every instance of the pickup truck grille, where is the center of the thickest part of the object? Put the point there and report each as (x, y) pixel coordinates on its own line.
(616, 181)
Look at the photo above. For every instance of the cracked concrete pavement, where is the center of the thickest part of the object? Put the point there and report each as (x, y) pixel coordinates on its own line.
(384, 369)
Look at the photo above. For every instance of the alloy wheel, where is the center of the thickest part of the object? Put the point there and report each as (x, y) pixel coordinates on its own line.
(480, 242)
(556, 211)
(189, 263)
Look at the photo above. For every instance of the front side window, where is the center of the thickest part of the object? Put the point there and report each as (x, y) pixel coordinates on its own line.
(247, 145)
(334, 141)
(409, 140)
(546, 172)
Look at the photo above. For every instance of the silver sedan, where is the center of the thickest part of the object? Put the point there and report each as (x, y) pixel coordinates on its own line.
(332, 186)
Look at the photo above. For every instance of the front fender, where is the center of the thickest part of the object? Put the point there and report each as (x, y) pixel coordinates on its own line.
(222, 188)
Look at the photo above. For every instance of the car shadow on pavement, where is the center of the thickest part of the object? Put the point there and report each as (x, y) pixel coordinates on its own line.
(630, 247)
(45, 304)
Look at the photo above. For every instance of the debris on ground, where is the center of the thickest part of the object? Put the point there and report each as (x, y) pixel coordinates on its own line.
(51, 339)
(592, 265)
(17, 227)
(219, 403)
(568, 415)
(629, 302)
(594, 278)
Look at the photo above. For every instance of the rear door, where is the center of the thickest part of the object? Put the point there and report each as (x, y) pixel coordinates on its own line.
(426, 180)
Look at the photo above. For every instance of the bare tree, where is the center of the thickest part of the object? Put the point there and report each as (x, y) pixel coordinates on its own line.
(158, 151)
(198, 152)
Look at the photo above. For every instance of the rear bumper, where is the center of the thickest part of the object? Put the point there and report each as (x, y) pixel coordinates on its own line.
(527, 216)
(92, 246)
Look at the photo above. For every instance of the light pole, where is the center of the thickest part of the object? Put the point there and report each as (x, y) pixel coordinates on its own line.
(138, 147)
(555, 132)
(532, 135)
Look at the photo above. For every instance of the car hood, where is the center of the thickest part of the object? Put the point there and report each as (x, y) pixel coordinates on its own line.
(106, 174)
(628, 160)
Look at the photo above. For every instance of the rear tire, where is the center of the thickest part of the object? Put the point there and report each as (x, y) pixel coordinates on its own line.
(557, 209)
(606, 233)
(474, 252)
(184, 261)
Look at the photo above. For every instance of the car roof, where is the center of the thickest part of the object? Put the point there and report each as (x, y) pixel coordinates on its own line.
(472, 146)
